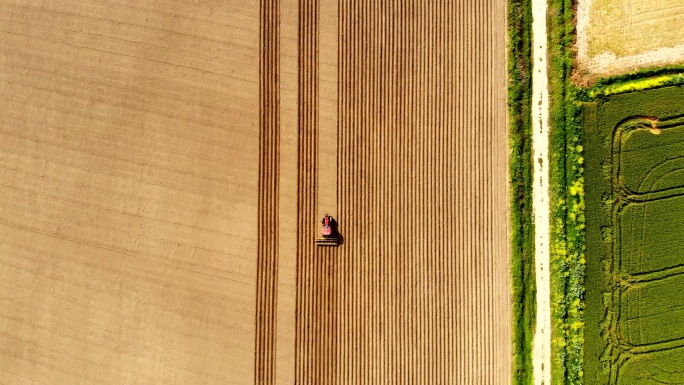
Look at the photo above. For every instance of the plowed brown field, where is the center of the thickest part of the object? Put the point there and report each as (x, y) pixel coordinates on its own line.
(164, 166)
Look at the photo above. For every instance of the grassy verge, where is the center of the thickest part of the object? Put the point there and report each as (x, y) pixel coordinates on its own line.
(567, 202)
(522, 265)
(634, 81)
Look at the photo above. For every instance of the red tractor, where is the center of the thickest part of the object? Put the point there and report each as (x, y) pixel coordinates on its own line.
(329, 236)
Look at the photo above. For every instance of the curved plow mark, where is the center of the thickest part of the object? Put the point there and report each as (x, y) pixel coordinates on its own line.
(630, 209)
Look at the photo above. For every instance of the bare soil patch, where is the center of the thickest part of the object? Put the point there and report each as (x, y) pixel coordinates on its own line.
(619, 36)
(128, 192)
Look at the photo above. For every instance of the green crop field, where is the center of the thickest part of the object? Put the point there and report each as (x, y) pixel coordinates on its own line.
(634, 162)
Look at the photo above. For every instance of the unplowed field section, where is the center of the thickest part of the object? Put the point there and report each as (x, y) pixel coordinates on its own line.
(619, 36)
(128, 191)
(635, 307)
(418, 293)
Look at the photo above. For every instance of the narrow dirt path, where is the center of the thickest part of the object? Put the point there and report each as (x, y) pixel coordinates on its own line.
(541, 354)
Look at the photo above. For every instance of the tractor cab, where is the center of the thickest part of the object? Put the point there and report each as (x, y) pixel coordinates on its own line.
(327, 229)
(329, 236)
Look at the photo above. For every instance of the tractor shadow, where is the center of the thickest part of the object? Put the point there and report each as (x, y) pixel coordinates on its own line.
(340, 239)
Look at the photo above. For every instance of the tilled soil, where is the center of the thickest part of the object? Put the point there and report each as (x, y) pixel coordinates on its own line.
(160, 191)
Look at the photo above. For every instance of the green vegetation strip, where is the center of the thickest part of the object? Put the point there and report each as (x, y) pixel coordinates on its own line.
(567, 203)
(520, 136)
(633, 81)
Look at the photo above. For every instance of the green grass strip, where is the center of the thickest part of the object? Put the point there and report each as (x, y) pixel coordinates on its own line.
(522, 233)
(567, 203)
(631, 85)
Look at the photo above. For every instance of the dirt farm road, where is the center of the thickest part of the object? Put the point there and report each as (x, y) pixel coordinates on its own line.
(541, 353)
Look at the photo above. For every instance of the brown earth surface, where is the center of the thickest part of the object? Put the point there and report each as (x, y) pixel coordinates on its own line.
(160, 191)
(619, 36)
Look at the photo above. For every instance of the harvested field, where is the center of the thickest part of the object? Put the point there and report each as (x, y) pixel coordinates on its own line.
(634, 334)
(619, 36)
(128, 192)
(164, 166)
